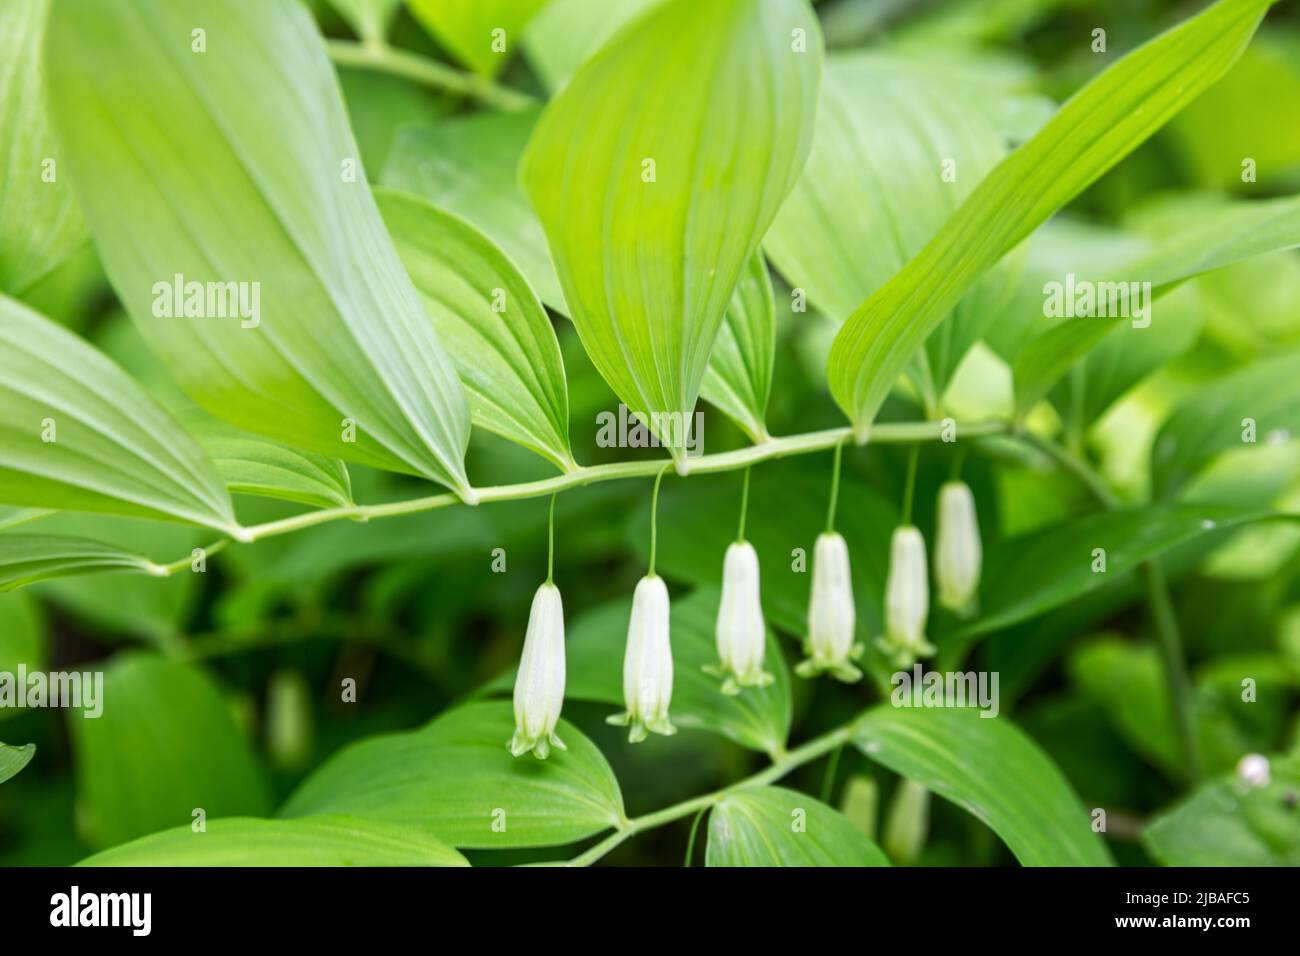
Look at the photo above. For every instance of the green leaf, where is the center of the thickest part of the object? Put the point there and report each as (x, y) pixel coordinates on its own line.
(457, 778)
(739, 377)
(649, 263)
(991, 768)
(26, 558)
(565, 34)
(40, 224)
(313, 841)
(22, 634)
(164, 746)
(758, 718)
(77, 433)
(13, 759)
(1228, 823)
(469, 165)
(490, 321)
(1211, 420)
(155, 131)
(482, 34)
(773, 826)
(1099, 126)
(369, 19)
(1201, 243)
(252, 465)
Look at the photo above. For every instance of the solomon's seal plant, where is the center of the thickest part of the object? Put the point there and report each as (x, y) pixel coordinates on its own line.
(306, 308)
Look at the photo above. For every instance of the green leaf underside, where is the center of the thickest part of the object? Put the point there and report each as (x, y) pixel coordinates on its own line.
(1232, 234)
(27, 558)
(369, 19)
(648, 267)
(739, 377)
(156, 132)
(758, 717)
(77, 433)
(467, 27)
(13, 759)
(1228, 823)
(457, 779)
(773, 826)
(40, 224)
(311, 841)
(1094, 130)
(992, 769)
(139, 769)
(490, 321)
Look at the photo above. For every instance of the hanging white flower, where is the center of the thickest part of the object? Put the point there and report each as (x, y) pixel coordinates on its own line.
(907, 598)
(647, 663)
(957, 548)
(740, 632)
(832, 618)
(539, 686)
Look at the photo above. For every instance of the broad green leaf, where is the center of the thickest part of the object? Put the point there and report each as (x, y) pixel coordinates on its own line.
(13, 759)
(482, 34)
(1099, 126)
(252, 465)
(1213, 420)
(22, 634)
(991, 768)
(370, 19)
(312, 841)
(565, 34)
(457, 779)
(490, 321)
(758, 718)
(876, 189)
(653, 205)
(26, 558)
(773, 826)
(739, 377)
(469, 165)
(164, 745)
(40, 224)
(1199, 245)
(328, 329)
(77, 433)
(1229, 823)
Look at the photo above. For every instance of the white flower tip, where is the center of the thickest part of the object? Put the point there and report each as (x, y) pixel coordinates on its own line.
(1253, 769)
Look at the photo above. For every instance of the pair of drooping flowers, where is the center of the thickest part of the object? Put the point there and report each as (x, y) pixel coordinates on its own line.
(740, 631)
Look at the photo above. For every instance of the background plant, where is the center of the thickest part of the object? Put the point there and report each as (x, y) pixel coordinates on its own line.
(834, 223)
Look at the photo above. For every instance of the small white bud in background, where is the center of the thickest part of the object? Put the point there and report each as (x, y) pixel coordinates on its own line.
(957, 549)
(831, 614)
(647, 663)
(539, 686)
(907, 598)
(907, 824)
(1253, 769)
(740, 632)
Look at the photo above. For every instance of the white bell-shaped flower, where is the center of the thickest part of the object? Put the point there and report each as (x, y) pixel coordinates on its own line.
(907, 598)
(831, 615)
(957, 548)
(539, 686)
(740, 632)
(647, 663)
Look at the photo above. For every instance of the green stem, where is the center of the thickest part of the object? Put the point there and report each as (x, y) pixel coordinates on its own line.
(744, 505)
(654, 519)
(690, 841)
(828, 780)
(835, 488)
(909, 489)
(550, 542)
(1169, 641)
(1076, 466)
(795, 758)
(420, 69)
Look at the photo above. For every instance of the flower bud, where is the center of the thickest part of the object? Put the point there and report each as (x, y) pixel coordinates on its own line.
(908, 823)
(907, 598)
(957, 550)
(1253, 770)
(648, 663)
(539, 686)
(831, 616)
(740, 633)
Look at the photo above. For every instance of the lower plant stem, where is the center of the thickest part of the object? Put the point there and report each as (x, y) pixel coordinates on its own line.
(419, 69)
(779, 768)
(1170, 644)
